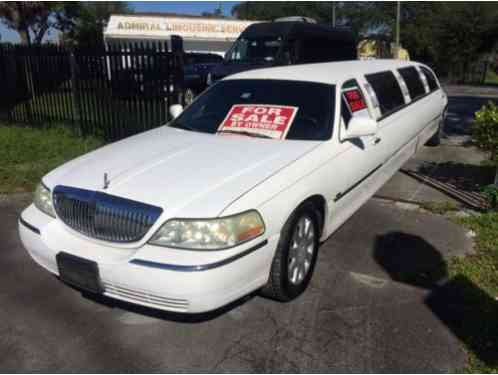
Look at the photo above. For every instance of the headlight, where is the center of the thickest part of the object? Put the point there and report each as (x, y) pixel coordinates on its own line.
(210, 234)
(43, 200)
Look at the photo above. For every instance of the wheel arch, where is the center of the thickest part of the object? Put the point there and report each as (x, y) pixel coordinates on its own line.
(320, 204)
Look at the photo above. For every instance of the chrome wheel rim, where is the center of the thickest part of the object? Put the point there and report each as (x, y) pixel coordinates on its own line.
(301, 250)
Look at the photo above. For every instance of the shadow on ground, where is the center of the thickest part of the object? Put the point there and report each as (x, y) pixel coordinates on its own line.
(463, 307)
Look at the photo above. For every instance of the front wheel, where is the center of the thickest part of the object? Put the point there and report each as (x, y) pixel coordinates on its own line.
(295, 257)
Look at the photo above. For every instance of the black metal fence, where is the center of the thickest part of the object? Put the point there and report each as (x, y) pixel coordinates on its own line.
(111, 92)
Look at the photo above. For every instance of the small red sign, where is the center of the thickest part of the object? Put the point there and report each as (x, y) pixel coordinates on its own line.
(355, 100)
(271, 120)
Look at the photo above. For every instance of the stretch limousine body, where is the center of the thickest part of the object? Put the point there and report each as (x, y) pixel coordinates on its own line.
(238, 190)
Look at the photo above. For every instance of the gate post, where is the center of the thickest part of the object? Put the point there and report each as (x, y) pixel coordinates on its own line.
(178, 74)
(76, 107)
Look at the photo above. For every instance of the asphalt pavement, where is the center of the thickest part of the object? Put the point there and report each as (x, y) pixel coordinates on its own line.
(359, 314)
(374, 305)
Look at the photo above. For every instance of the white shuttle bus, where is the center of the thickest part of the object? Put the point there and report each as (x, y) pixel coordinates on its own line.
(237, 192)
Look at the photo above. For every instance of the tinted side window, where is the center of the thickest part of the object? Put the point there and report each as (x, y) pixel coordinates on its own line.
(413, 81)
(387, 89)
(431, 80)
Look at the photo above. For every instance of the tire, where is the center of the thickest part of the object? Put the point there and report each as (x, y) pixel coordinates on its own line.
(435, 140)
(281, 286)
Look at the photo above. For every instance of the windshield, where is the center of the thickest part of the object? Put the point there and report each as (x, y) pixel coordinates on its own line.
(260, 49)
(263, 108)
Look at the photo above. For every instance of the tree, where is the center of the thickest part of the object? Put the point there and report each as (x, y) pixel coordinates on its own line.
(268, 10)
(452, 37)
(464, 34)
(25, 17)
(92, 18)
(216, 13)
(32, 20)
(361, 17)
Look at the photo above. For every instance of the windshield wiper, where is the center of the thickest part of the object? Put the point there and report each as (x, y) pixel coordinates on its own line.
(249, 134)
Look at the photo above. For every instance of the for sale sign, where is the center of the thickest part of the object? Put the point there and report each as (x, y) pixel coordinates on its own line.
(270, 120)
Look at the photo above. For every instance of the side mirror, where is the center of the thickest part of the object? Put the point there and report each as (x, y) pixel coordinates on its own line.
(175, 110)
(359, 127)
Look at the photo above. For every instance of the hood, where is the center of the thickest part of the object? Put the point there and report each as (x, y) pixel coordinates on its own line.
(188, 174)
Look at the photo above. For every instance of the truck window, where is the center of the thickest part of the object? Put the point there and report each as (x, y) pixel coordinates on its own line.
(413, 82)
(255, 49)
(388, 92)
(322, 49)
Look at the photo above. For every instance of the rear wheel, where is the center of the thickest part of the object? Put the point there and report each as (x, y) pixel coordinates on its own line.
(435, 140)
(295, 258)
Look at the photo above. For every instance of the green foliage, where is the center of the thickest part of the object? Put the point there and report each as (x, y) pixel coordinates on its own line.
(91, 19)
(491, 192)
(485, 130)
(439, 208)
(27, 154)
(491, 77)
(361, 17)
(80, 22)
(268, 10)
(25, 17)
(463, 32)
(33, 19)
(481, 271)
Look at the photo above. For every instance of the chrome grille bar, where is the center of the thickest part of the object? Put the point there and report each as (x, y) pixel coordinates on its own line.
(104, 216)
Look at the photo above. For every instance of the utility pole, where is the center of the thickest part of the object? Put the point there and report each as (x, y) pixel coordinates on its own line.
(333, 13)
(398, 20)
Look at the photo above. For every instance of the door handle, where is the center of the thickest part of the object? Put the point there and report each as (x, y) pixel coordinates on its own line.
(377, 140)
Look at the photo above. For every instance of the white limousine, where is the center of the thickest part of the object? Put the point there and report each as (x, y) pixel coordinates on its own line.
(236, 193)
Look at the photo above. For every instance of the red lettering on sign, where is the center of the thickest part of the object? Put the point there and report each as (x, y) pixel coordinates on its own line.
(270, 120)
(355, 100)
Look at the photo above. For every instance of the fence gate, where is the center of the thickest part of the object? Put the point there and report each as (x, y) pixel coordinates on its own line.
(111, 93)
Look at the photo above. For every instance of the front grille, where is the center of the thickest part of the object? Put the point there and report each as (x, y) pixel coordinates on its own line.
(103, 216)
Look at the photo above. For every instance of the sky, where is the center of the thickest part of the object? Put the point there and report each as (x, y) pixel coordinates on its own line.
(185, 7)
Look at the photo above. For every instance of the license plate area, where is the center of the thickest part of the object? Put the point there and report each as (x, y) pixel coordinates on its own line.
(79, 272)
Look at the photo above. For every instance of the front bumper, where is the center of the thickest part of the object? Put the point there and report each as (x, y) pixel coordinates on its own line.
(162, 278)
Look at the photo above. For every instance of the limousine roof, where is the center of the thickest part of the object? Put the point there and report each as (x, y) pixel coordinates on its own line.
(329, 73)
